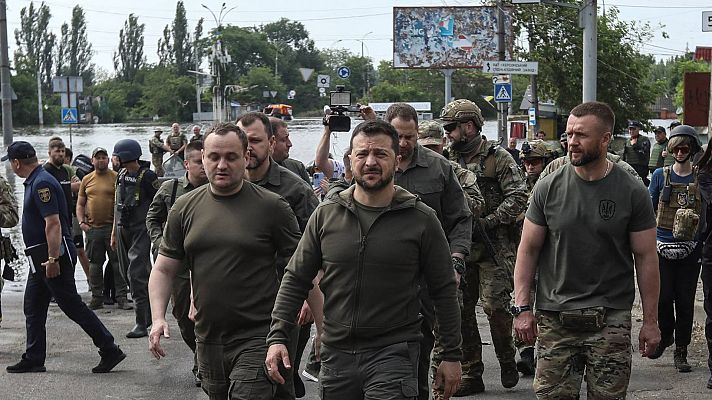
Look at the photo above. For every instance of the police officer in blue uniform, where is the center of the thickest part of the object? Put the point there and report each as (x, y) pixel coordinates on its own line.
(52, 255)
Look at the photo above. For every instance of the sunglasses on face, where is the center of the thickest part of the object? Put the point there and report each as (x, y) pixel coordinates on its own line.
(449, 127)
(681, 149)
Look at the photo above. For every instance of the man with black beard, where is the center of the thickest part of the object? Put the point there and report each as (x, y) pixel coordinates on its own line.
(263, 171)
(489, 268)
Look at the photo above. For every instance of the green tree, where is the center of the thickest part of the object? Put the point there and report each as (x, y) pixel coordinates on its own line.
(679, 69)
(623, 72)
(166, 94)
(129, 58)
(176, 46)
(35, 43)
(257, 81)
(74, 51)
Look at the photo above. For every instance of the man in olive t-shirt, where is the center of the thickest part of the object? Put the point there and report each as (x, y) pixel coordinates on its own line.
(589, 224)
(235, 237)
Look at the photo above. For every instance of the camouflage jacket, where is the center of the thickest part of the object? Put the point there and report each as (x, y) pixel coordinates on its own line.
(155, 146)
(468, 181)
(504, 188)
(8, 205)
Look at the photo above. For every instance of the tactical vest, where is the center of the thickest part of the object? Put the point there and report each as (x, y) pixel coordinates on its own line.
(129, 196)
(175, 141)
(486, 171)
(156, 146)
(676, 196)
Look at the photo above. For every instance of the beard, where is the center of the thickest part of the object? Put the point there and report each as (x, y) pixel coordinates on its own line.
(373, 186)
(586, 157)
(255, 162)
(406, 153)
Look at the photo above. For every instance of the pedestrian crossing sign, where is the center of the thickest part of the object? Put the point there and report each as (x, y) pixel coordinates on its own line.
(503, 92)
(69, 115)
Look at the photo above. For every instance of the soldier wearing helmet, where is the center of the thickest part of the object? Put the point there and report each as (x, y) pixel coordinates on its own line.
(535, 156)
(157, 149)
(489, 273)
(136, 185)
(675, 191)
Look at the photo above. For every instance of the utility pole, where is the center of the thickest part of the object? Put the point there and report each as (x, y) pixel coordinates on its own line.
(533, 78)
(448, 84)
(501, 44)
(39, 98)
(5, 78)
(590, 47)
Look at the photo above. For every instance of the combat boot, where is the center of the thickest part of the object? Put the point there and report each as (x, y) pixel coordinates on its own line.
(509, 374)
(141, 328)
(470, 386)
(527, 363)
(680, 358)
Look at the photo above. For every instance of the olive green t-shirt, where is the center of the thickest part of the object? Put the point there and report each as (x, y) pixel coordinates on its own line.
(234, 246)
(586, 259)
(367, 215)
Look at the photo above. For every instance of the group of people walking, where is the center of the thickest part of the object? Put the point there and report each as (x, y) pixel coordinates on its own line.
(391, 264)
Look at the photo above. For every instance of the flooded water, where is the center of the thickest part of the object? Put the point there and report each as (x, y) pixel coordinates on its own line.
(304, 134)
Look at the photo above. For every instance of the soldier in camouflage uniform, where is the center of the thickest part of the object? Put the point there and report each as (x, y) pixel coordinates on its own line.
(431, 135)
(8, 215)
(157, 149)
(535, 156)
(489, 266)
(588, 216)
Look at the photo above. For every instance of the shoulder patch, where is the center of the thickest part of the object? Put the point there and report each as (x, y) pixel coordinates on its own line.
(45, 194)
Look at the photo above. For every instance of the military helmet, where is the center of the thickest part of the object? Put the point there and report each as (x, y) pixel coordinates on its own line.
(687, 130)
(462, 110)
(534, 149)
(430, 133)
(127, 150)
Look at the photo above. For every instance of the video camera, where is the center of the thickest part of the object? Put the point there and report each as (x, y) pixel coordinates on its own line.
(340, 104)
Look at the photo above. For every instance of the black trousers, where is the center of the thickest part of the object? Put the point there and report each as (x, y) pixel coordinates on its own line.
(676, 306)
(38, 292)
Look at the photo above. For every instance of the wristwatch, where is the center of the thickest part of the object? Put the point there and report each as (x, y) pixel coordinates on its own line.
(516, 310)
(52, 260)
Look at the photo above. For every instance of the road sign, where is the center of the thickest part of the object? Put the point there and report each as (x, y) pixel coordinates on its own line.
(273, 93)
(291, 94)
(322, 90)
(532, 116)
(323, 81)
(306, 73)
(706, 21)
(503, 92)
(343, 72)
(500, 79)
(69, 116)
(511, 67)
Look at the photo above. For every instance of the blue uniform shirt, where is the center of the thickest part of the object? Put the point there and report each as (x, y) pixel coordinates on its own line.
(43, 197)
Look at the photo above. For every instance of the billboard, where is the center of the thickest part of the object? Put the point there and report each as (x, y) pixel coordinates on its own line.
(696, 98)
(447, 37)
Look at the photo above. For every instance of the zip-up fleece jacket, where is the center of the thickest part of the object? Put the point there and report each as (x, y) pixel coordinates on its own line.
(371, 279)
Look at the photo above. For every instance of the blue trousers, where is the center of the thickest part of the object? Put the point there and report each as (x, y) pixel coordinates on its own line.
(38, 293)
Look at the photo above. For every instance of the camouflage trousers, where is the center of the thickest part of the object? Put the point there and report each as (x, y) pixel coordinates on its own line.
(492, 285)
(157, 162)
(564, 355)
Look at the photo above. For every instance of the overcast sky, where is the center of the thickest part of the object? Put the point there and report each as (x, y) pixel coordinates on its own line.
(331, 26)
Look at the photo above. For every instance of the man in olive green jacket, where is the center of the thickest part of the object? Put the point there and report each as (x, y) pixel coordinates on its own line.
(372, 242)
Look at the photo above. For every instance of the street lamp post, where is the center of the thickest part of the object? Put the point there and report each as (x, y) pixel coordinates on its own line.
(218, 56)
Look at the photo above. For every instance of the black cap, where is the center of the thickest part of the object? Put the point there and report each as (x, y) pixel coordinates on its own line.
(660, 129)
(635, 124)
(19, 151)
(673, 124)
(99, 150)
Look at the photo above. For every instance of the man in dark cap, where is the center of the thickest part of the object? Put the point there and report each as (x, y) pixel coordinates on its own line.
(46, 231)
(636, 151)
(659, 156)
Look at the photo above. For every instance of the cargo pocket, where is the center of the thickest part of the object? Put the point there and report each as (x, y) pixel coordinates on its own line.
(250, 383)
